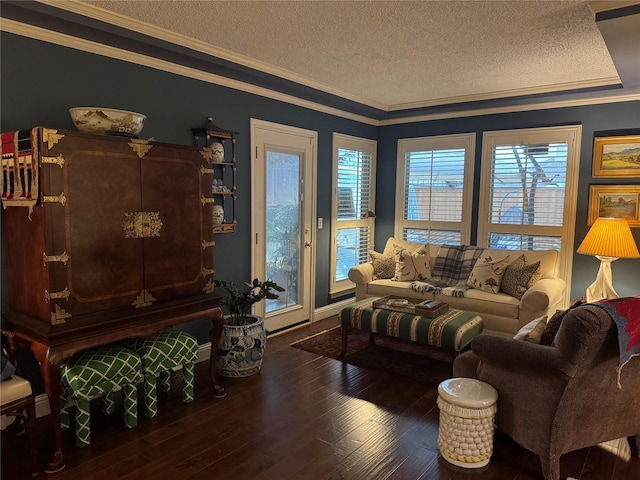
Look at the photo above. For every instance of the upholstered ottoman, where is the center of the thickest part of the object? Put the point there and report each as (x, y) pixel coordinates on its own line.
(450, 331)
(97, 372)
(160, 354)
(467, 409)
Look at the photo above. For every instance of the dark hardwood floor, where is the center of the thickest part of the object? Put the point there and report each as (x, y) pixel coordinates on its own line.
(303, 417)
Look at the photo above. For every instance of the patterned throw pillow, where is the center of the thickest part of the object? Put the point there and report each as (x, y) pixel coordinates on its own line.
(384, 266)
(553, 325)
(453, 264)
(488, 272)
(532, 331)
(519, 277)
(411, 265)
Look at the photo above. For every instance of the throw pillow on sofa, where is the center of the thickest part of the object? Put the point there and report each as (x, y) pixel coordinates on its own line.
(411, 265)
(384, 266)
(553, 325)
(519, 277)
(532, 331)
(487, 273)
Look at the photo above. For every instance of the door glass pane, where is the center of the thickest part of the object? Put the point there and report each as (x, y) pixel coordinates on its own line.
(283, 227)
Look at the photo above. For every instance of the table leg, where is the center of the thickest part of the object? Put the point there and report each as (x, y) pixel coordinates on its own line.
(217, 321)
(50, 372)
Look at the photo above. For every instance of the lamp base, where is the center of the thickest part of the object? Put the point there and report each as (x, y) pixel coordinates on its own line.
(603, 286)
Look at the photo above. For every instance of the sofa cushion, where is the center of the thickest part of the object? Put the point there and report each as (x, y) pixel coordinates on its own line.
(412, 265)
(384, 266)
(519, 277)
(488, 271)
(549, 259)
(386, 287)
(454, 263)
(498, 304)
(532, 331)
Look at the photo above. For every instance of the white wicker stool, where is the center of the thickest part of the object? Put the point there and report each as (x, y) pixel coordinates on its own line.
(467, 408)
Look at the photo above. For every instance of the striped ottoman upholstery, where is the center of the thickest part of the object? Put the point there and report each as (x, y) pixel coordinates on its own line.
(159, 354)
(452, 330)
(97, 372)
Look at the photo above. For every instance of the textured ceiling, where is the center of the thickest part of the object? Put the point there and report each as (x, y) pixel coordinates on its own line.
(396, 54)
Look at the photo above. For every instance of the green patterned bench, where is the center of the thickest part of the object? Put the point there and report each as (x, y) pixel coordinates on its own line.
(159, 354)
(98, 372)
(451, 331)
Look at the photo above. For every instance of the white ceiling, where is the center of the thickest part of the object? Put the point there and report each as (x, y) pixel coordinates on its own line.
(391, 55)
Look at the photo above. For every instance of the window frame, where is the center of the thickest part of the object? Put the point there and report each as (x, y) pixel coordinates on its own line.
(467, 141)
(572, 135)
(363, 145)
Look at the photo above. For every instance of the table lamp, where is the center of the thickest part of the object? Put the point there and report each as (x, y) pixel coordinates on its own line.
(608, 239)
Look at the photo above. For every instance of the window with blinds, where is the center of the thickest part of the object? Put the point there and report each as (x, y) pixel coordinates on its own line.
(528, 190)
(435, 179)
(353, 217)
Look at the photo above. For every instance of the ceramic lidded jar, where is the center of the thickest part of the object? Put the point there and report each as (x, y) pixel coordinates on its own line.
(217, 152)
(218, 215)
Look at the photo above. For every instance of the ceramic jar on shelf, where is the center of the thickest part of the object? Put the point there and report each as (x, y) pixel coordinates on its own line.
(218, 214)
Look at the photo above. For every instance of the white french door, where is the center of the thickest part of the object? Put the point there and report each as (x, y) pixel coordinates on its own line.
(283, 209)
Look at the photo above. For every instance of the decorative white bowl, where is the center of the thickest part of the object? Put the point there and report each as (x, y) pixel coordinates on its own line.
(107, 120)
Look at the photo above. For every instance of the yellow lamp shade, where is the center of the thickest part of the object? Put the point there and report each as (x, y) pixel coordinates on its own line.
(610, 237)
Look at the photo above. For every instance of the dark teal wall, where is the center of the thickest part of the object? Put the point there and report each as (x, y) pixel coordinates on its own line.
(605, 119)
(41, 81)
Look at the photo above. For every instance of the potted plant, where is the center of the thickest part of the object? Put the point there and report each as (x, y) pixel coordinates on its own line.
(244, 337)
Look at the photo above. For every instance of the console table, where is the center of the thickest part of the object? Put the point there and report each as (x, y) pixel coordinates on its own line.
(51, 346)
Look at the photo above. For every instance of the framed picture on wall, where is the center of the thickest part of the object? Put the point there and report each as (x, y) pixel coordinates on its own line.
(615, 201)
(616, 157)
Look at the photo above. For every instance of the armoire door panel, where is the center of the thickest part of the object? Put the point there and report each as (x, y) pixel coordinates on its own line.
(100, 181)
(172, 189)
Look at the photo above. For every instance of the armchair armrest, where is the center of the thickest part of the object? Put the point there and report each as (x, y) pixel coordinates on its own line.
(361, 274)
(520, 356)
(544, 294)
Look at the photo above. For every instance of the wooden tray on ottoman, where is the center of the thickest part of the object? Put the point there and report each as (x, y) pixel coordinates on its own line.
(393, 303)
(415, 306)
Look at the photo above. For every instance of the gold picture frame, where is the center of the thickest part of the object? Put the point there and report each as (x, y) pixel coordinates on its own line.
(616, 157)
(619, 201)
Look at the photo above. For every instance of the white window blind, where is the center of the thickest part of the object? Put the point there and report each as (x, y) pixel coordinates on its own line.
(527, 191)
(354, 167)
(435, 174)
(354, 184)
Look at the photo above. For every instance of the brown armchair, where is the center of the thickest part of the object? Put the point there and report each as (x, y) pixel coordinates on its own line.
(553, 400)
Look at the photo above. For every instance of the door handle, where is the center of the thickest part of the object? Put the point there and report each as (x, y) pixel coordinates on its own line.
(308, 244)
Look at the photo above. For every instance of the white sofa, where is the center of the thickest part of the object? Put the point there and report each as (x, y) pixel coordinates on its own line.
(502, 314)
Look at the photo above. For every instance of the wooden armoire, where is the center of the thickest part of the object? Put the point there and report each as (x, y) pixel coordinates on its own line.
(107, 237)
(122, 223)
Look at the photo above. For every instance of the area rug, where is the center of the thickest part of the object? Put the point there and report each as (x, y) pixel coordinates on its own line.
(390, 355)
